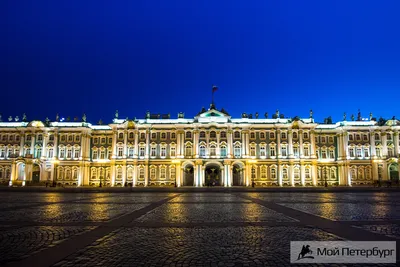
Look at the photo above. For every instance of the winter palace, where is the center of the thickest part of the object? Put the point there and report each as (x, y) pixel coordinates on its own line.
(210, 149)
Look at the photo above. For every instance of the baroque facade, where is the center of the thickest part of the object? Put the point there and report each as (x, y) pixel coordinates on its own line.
(210, 149)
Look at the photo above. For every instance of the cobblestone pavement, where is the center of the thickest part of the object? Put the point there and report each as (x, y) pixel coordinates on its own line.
(185, 229)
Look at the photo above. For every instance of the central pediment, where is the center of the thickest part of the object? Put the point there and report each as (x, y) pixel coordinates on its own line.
(212, 115)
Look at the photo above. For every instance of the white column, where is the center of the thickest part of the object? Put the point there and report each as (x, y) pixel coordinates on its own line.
(33, 144)
(134, 178)
(226, 173)
(312, 142)
(112, 175)
(217, 152)
(314, 174)
(396, 143)
(44, 148)
(195, 144)
(303, 175)
(83, 145)
(243, 144)
(146, 174)
(196, 175)
(230, 175)
(372, 139)
(147, 150)
(56, 144)
(290, 148)
(301, 150)
(278, 141)
(114, 145)
(123, 175)
(125, 144)
(247, 147)
(230, 144)
(279, 173)
(21, 144)
(291, 175)
(384, 144)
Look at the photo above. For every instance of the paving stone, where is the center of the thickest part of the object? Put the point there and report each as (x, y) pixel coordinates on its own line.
(213, 212)
(16, 244)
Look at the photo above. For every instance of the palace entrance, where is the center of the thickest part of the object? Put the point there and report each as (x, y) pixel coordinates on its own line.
(188, 176)
(394, 172)
(213, 175)
(35, 174)
(237, 179)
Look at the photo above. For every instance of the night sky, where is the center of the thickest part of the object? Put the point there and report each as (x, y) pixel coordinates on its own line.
(71, 57)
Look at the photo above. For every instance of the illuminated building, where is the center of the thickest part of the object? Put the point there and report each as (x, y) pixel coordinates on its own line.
(211, 148)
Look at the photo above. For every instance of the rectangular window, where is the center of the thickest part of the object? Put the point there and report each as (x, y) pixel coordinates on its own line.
(307, 173)
(378, 152)
(359, 153)
(390, 152)
(271, 135)
(188, 151)
(163, 173)
(70, 138)
(173, 173)
(50, 153)
(284, 173)
(120, 151)
(365, 137)
(153, 151)
(152, 173)
(69, 153)
(366, 152)
(62, 153)
(323, 139)
(141, 173)
(332, 154)
(252, 151)
(173, 151)
(77, 138)
(102, 154)
(323, 154)
(284, 151)
(273, 173)
(163, 152)
(296, 151)
(131, 152)
(223, 152)
(237, 152)
(76, 153)
(272, 151)
(306, 151)
(262, 151)
(351, 152)
(330, 139)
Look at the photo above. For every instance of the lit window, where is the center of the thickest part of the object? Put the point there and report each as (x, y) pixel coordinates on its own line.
(351, 152)
(163, 173)
(262, 151)
(202, 151)
(163, 152)
(153, 151)
(272, 151)
(284, 151)
(366, 152)
(263, 172)
(152, 173)
(76, 153)
(273, 173)
(271, 135)
(237, 151)
(141, 151)
(173, 151)
(358, 151)
(223, 151)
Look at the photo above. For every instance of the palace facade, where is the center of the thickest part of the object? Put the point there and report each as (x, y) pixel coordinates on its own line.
(210, 149)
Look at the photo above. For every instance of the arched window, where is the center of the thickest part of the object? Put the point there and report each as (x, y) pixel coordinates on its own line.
(202, 134)
(131, 135)
(223, 151)
(213, 134)
(188, 135)
(223, 134)
(263, 172)
(202, 150)
(188, 150)
(237, 151)
(213, 149)
(237, 134)
(120, 136)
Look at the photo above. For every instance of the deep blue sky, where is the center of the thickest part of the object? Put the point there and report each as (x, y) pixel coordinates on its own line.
(80, 56)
